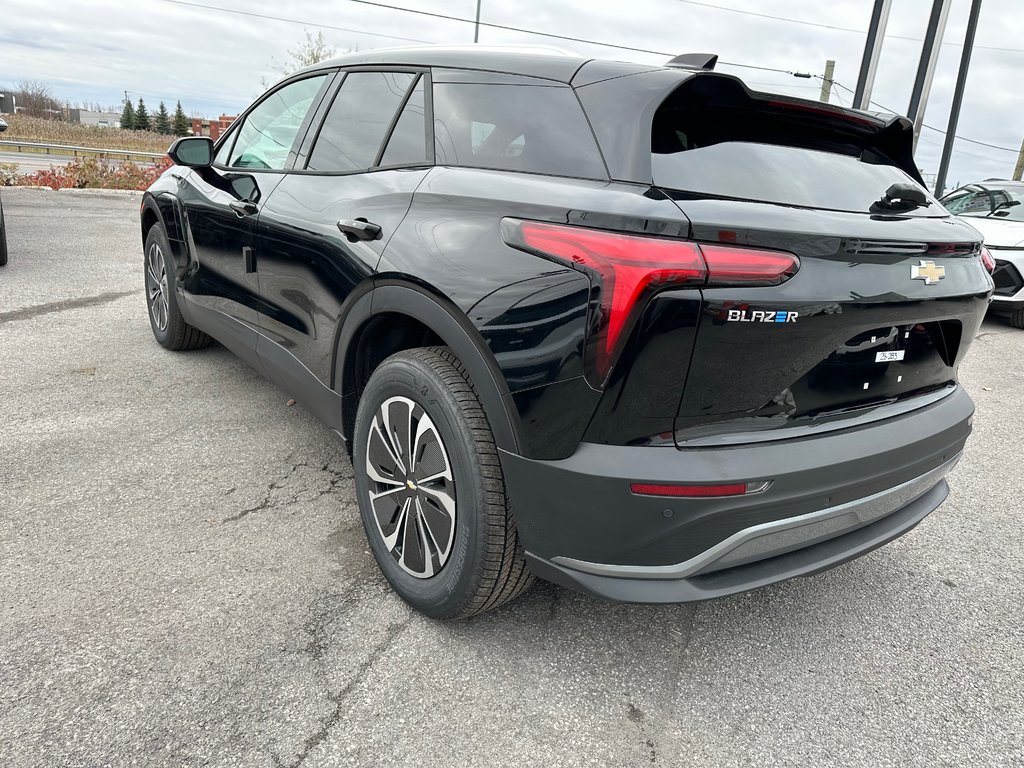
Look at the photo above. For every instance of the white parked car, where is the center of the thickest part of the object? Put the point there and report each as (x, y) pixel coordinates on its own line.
(996, 209)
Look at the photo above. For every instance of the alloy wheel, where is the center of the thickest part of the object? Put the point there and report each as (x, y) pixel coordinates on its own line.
(412, 490)
(156, 287)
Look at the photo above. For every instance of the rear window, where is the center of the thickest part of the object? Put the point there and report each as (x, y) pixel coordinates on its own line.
(536, 129)
(773, 173)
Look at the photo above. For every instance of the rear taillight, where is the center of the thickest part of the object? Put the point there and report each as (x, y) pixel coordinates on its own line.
(628, 267)
(987, 260)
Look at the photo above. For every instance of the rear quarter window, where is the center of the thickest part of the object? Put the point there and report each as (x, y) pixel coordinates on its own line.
(535, 129)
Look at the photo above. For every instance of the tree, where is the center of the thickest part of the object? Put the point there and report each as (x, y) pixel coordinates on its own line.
(162, 121)
(128, 116)
(180, 126)
(33, 97)
(312, 50)
(141, 117)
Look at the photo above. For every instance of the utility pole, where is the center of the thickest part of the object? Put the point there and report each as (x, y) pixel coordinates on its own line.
(958, 97)
(1019, 169)
(826, 80)
(926, 67)
(872, 52)
(476, 29)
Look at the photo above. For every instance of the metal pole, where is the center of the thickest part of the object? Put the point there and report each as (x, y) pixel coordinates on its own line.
(958, 97)
(872, 52)
(826, 80)
(926, 67)
(476, 29)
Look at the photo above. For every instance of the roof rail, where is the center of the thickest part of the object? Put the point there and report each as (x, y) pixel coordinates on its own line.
(694, 61)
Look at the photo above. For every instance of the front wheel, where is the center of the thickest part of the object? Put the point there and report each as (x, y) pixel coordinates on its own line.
(1017, 318)
(169, 327)
(431, 490)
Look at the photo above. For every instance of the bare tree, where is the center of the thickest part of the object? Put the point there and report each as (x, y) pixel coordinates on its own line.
(34, 98)
(312, 50)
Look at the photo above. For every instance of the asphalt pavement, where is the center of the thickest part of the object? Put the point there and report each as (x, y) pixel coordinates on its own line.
(184, 581)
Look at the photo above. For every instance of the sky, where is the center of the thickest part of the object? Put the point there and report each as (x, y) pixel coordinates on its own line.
(214, 60)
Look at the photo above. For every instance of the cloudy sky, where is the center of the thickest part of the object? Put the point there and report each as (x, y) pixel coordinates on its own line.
(213, 54)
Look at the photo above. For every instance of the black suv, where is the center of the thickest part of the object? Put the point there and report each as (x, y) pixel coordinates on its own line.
(637, 330)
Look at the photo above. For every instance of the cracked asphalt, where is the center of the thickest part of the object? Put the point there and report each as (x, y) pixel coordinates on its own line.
(184, 581)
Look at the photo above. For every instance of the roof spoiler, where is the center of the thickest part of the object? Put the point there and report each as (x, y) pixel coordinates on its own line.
(705, 61)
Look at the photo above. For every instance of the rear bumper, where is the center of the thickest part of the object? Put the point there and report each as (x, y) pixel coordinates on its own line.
(832, 498)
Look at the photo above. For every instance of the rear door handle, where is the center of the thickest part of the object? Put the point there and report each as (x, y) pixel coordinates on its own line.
(243, 208)
(359, 229)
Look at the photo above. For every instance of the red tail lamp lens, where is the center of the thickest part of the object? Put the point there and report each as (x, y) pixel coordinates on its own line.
(697, 491)
(628, 266)
(729, 265)
(987, 260)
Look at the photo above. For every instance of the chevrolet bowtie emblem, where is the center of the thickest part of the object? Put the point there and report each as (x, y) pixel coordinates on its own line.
(928, 271)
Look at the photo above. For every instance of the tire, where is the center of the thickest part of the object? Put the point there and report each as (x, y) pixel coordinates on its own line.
(3, 237)
(169, 327)
(478, 565)
(1017, 318)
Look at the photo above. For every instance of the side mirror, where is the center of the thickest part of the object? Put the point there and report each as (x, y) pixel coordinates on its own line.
(192, 151)
(3, 125)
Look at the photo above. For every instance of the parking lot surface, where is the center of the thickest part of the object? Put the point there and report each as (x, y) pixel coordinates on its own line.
(184, 581)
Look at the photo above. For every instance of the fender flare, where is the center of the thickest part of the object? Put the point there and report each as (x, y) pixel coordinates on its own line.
(454, 329)
(166, 207)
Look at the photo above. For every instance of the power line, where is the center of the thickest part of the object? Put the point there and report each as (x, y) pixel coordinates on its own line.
(932, 127)
(448, 17)
(294, 21)
(833, 27)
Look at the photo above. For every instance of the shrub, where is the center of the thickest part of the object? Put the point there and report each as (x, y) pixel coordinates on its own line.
(94, 174)
(8, 174)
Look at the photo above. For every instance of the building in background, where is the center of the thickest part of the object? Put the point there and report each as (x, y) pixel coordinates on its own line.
(89, 117)
(6, 103)
(213, 127)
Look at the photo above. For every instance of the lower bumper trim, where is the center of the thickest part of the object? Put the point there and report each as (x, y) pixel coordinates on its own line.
(805, 561)
(778, 536)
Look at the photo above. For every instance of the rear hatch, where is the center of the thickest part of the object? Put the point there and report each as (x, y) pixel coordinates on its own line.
(888, 293)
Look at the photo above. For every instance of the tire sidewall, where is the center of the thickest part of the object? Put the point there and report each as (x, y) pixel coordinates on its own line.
(442, 595)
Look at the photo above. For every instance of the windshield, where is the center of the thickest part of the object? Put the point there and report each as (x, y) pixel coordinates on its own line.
(987, 200)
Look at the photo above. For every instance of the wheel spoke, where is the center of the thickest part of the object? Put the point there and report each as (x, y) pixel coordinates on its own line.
(440, 494)
(391, 539)
(414, 555)
(391, 435)
(381, 458)
(438, 526)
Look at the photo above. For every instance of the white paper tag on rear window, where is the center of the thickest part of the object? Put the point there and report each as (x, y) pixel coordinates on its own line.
(889, 357)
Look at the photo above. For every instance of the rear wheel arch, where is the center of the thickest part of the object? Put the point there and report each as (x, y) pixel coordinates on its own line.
(396, 316)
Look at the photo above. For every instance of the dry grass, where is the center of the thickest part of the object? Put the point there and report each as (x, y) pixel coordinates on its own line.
(22, 128)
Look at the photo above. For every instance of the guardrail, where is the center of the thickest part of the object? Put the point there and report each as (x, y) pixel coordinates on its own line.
(102, 153)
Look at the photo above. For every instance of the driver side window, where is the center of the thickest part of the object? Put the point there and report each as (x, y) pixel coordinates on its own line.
(269, 130)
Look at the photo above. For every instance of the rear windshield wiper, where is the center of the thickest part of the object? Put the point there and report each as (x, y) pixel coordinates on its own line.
(900, 197)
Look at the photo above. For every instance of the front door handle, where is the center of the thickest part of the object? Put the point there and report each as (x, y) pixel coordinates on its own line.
(243, 208)
(359, 229)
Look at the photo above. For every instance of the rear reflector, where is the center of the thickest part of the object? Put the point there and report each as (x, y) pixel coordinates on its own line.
(629, 266)
(735, 489)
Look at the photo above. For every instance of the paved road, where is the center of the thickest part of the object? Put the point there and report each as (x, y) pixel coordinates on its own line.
(29, 162)
(185, 582)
